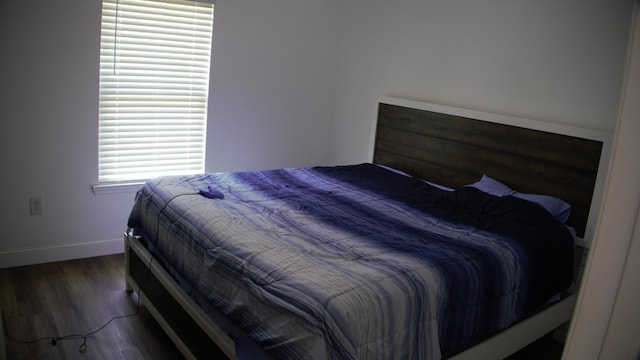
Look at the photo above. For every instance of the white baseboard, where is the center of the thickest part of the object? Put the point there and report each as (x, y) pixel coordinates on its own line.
(60, 253)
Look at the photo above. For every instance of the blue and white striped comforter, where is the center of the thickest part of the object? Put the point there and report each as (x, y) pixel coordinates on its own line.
(354, 262)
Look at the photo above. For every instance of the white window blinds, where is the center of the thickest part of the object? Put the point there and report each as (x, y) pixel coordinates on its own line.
(154, 82)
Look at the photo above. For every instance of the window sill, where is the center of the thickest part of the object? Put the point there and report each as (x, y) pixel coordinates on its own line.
(116, 188)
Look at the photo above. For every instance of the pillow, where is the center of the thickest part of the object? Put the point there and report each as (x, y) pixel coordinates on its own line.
(441, 187)
(438, 186)
(556, 207)
(492, 187)
(392, 169)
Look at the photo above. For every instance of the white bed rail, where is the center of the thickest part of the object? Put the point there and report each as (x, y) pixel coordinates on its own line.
(222, 340)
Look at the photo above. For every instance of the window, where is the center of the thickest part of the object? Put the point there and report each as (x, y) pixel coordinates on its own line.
(154, 83)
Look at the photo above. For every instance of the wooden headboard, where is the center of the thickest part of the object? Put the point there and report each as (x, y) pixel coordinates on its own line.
(455, 147)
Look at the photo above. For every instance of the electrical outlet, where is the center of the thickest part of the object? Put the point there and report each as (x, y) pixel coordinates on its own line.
(35, 205)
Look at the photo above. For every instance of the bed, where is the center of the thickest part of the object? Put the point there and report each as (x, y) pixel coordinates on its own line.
(448, 244)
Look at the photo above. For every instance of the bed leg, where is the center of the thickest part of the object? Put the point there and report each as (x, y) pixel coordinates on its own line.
(127, 286)
(560, 333)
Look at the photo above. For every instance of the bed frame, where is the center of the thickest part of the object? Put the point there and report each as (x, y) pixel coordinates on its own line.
(449, 146)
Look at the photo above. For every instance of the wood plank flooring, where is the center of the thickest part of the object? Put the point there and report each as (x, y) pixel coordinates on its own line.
(80, 296)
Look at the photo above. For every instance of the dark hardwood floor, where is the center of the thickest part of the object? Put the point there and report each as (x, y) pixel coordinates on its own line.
(80, 296)
(77, 297)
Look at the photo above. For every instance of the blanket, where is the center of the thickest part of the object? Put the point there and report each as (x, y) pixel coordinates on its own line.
(354, 262)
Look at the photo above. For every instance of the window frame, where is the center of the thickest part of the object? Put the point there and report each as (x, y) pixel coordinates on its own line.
(110, 183)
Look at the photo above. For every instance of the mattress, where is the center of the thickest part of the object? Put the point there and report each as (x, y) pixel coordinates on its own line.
(353, 262)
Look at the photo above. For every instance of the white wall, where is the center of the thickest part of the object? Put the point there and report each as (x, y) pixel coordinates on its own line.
(273, 84)
(607, 320)
(559, 61)
(271, 106)
(48, 107)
